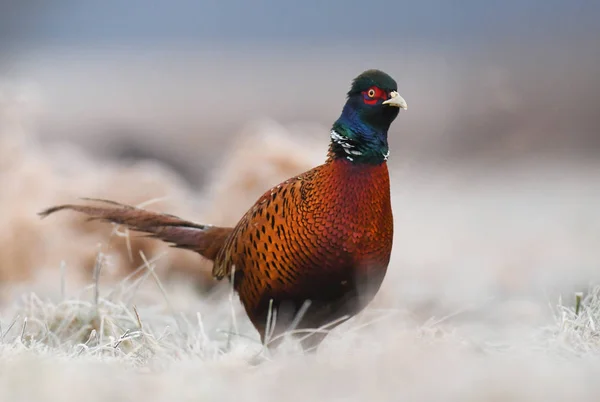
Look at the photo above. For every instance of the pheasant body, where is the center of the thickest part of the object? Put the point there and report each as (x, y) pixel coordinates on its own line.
(323, 237)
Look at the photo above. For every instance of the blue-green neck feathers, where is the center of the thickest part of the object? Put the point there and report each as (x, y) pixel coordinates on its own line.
(360, 133)
(354, 139)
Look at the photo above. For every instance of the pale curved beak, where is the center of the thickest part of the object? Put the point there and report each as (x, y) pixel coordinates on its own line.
(396, 100)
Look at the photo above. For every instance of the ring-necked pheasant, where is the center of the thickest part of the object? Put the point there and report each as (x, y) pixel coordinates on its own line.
(324, 236)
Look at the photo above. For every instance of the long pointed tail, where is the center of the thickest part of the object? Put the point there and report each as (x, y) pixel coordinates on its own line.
(206, 240)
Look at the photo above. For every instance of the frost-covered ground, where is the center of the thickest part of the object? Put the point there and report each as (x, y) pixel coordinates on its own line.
(124, 347)
(479, 303)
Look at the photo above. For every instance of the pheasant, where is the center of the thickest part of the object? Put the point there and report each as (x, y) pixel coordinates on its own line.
(312, 250)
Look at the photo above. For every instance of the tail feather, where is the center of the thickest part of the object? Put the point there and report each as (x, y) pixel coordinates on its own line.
(206, 240)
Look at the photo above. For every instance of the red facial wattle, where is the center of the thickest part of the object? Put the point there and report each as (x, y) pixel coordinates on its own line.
(374, 95)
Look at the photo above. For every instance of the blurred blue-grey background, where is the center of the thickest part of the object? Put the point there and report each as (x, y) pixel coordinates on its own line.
(485, 81)
(400, 22)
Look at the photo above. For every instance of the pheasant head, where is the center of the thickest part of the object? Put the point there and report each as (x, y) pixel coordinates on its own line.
(360, 133)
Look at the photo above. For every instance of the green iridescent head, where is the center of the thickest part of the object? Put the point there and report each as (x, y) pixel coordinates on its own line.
(360, 133)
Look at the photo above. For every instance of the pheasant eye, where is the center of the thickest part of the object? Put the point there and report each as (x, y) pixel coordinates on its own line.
(371, 93)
